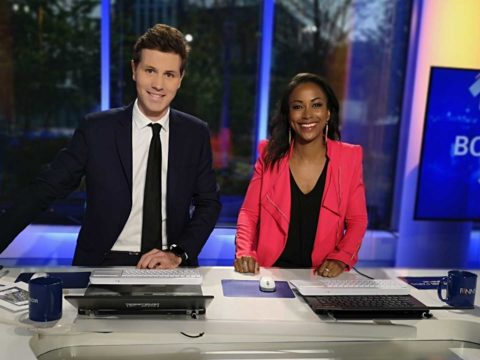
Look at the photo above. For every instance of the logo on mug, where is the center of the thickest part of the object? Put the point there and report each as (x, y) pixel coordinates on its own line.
(465, 291)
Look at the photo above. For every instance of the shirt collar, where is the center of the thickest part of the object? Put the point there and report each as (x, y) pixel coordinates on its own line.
(141, 121)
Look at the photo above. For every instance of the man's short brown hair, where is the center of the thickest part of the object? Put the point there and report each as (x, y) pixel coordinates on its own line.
(163, 38)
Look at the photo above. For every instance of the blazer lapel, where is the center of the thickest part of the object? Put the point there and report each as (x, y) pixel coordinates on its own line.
(331, 197)
(277, 199)
(331, 194)
(123, 140)
(329, 216)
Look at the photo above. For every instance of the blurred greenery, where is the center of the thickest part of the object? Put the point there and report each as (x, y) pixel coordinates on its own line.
(220, 81)
(53, 51)
(56, 68)
(50, 75)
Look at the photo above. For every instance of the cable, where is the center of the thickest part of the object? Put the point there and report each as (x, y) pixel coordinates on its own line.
(360, 273)
(193, 336)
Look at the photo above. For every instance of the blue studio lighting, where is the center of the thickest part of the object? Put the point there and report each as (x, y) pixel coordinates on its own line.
(265, 65)
(105, 54)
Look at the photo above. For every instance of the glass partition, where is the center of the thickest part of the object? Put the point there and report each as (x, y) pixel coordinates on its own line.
(220, 81)
(50, 74)
(360, 47)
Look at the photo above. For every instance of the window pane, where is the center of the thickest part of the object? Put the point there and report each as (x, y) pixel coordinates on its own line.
(360, 47)
(50, 75)
(220, 82)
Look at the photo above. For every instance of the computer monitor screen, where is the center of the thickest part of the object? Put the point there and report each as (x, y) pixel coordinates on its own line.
(449, 173)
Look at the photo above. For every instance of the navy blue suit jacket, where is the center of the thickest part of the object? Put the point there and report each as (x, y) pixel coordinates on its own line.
(101, 150)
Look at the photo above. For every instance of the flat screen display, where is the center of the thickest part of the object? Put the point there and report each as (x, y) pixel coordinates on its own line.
(449, 173)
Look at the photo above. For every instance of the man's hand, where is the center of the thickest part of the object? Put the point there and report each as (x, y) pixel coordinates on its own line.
(246, 264)
(330, 268)
(158, 259)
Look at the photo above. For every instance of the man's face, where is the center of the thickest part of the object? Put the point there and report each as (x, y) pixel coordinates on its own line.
(157, 78)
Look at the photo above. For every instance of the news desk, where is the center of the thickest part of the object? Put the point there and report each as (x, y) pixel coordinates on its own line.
(245, 328)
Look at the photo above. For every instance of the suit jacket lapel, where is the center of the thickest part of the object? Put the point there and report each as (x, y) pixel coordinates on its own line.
(174, 144)
(123, 140)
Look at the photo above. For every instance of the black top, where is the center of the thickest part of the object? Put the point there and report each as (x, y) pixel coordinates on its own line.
(304, 213)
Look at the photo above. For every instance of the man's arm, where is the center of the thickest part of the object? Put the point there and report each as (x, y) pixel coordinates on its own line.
(206, 203)
(356, 218)
(58, 180)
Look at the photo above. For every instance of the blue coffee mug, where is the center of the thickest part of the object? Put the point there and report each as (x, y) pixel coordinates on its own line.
(46, 299)
(461, 287)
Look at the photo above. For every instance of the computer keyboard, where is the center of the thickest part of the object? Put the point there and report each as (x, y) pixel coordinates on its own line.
(369, 306)
(179, 276)
(357, 286)
(359, 302)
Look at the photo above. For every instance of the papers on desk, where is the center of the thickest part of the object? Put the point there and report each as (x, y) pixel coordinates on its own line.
(71, 279)
(422, 282)
(14, 297)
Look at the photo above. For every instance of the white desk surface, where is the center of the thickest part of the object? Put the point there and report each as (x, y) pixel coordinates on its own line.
(233, 320)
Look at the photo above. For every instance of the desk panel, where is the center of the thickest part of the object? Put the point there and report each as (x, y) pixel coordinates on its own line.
(338, 350)
(231, 324)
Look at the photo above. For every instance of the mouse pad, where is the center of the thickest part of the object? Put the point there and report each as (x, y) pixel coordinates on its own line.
(250, 288)
(71, 280)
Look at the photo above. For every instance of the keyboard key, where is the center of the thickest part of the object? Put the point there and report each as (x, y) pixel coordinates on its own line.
(358, 286)
(354, 302)
(179, 276)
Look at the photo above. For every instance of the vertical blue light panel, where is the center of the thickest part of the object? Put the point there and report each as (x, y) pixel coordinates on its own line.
(265, 65)
(105, 53)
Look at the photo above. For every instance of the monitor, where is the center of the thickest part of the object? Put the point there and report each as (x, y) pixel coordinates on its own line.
(448, 185)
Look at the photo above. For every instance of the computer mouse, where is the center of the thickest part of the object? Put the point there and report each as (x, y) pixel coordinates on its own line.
(267, 284)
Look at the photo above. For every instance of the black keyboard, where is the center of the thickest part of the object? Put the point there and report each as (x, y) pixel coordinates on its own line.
(368, 306)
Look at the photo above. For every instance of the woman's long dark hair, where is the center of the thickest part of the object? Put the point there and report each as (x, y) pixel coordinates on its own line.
(279, 145)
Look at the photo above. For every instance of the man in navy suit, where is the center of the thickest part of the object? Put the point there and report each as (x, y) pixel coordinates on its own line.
(113, 151)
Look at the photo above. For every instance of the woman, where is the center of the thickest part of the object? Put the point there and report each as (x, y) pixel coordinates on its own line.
(305, 205)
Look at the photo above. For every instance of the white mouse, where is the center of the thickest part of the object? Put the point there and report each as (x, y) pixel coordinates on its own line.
(267, 284)
(39, 275)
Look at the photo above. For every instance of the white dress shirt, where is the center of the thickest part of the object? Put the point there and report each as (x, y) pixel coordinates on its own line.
(130, 239)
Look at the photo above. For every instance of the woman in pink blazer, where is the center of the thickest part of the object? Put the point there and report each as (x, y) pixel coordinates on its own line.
(305, 205)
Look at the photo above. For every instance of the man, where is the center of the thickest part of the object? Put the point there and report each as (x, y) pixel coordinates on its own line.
(152, 198)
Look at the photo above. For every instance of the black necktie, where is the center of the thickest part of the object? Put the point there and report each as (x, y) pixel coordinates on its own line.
(152, 198)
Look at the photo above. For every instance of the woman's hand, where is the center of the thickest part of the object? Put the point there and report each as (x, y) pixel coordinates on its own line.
(246, 264)
(330, 268)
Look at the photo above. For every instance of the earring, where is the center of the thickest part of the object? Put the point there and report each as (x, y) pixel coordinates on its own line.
(289, 135)
(326, 131)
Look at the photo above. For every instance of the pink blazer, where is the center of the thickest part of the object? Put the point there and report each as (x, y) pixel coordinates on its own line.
(264, 218)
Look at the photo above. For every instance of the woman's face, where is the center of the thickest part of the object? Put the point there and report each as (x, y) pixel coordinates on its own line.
(308, 112)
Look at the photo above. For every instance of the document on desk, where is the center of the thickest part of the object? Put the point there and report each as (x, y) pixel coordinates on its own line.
(71, 280)
(422, 282)
(14, 297)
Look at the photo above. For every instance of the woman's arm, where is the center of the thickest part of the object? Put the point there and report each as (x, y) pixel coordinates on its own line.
(248, 218)
(356, 219)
